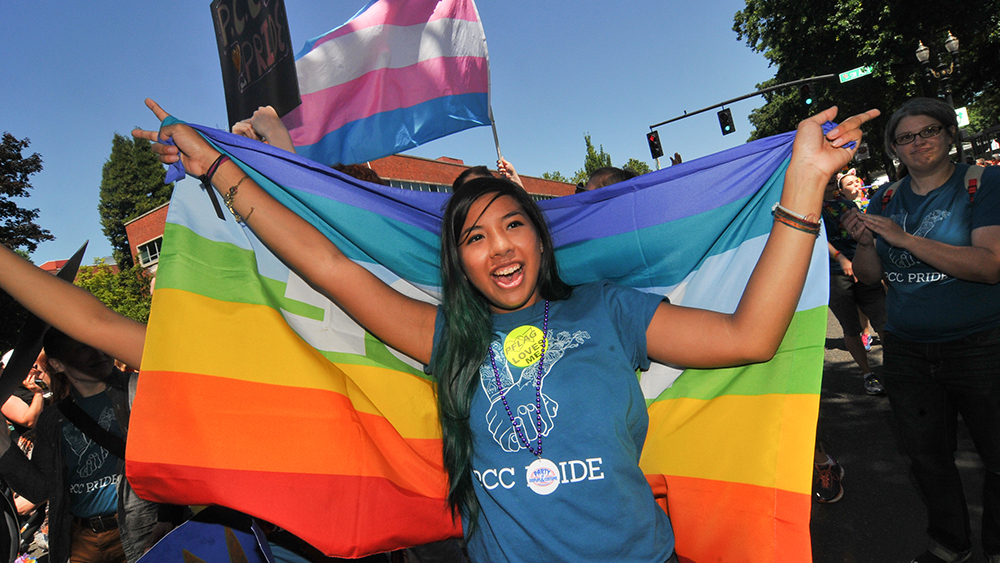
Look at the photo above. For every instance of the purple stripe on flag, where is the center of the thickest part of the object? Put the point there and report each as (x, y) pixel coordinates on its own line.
(330, 109)
(411, 12)
(695, 187)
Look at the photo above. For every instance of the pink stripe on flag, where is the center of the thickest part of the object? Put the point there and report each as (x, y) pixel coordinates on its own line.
(411, 12)
(330, 109)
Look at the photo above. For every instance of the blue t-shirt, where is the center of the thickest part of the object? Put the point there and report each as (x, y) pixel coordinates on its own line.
(93, 471)
(923, 304)
(833, 211)
(591, 502)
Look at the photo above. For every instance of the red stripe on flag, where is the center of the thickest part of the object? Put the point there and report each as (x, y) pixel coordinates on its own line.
(372, 515)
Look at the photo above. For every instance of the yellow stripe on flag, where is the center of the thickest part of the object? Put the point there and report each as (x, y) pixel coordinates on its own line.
(763, 440)
(191, 323)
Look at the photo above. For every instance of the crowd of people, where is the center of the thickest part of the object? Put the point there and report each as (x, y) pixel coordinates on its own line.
(907, 260)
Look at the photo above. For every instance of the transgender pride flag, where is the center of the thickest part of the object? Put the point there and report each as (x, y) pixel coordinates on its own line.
(398, 74)
(282, 407)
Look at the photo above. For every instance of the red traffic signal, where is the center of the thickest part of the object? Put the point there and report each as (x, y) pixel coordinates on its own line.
(655, 149)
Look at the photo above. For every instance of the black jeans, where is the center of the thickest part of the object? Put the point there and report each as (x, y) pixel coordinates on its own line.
(927, 383)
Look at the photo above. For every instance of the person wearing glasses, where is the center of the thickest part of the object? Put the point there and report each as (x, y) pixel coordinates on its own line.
(935, 237)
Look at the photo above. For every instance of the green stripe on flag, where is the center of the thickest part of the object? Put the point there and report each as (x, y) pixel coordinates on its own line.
(796, 369)
(222, 271)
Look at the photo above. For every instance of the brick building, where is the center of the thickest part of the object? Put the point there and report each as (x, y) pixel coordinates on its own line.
(145, 236)
(145, 233)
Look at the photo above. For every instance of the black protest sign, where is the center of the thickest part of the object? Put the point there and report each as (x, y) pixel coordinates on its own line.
(255, 49)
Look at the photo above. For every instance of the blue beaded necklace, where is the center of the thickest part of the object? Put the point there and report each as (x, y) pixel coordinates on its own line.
(538, 390)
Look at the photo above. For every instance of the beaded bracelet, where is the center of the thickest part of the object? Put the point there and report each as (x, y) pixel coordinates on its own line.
(794, 220)
(229, 197)
(778, 208)
(206, 178)
(795, 225)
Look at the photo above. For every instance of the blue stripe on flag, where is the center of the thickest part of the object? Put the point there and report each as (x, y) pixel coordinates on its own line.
(366, 139)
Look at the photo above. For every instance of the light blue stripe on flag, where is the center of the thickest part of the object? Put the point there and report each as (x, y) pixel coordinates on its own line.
(394, 131)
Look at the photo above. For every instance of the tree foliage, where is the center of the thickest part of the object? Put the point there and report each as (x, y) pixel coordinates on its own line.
(17, 224)
(637, 166)
(555, 176)
(131, 184)
(593, 159)
(126, 291)
(804, 39)
(18, 229)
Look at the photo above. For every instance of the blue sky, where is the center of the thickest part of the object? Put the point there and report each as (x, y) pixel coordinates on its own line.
(73, 74)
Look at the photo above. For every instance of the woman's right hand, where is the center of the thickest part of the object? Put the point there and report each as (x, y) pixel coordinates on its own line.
(30, 385)
(856, 227)
(189, 147)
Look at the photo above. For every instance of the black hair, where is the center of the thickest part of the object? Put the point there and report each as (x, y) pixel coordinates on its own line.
(470, 174)
(608, 175)
(468, 329)
(360, 172)
(58, 346)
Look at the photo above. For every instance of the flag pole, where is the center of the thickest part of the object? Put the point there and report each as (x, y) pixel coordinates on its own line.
(496, 140)
(489, 85)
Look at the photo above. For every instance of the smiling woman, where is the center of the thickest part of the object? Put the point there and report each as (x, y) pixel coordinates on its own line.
(501, 252)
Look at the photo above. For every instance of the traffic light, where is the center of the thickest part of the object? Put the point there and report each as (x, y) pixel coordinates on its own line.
(726, 121)
(806, 91)
(655, 148)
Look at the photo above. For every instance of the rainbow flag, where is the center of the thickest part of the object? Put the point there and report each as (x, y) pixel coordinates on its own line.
(398, 74)
(260, 395)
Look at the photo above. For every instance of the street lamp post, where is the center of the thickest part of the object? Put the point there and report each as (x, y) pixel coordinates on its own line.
(944, 74)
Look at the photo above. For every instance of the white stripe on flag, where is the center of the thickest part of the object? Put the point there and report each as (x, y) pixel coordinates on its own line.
(386, 46)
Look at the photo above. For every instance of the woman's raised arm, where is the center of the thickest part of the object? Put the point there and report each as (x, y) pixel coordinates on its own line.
(401, 322)
(71, 309)
(753, 332)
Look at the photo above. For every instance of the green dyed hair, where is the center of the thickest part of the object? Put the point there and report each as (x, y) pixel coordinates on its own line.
(468, 329)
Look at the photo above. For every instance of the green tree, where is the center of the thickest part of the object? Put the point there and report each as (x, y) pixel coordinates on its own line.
(592, 160)
(18, 230)
(555, 176)
(131, 184)
(803, 39)
(17, 224)
(637, 166)
(126, 291)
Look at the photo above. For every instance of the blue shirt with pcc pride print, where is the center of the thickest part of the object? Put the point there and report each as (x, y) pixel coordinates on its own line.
(924, 304)
(586, 499)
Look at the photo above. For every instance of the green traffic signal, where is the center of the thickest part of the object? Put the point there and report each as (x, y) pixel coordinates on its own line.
(726, 122)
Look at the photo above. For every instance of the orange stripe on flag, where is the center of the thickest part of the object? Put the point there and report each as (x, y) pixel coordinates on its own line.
(295, 430)
(758, 525)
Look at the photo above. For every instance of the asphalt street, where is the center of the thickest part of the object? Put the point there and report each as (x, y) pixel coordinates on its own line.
(881, 517)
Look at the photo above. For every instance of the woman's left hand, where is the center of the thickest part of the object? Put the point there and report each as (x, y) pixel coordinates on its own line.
(887, 229)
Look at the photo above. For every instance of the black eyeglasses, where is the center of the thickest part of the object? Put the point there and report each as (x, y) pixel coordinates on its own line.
(926, 133)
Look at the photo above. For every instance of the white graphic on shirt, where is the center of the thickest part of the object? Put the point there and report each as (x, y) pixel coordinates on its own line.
(902, 258)
(89, 460)
(520, 392)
